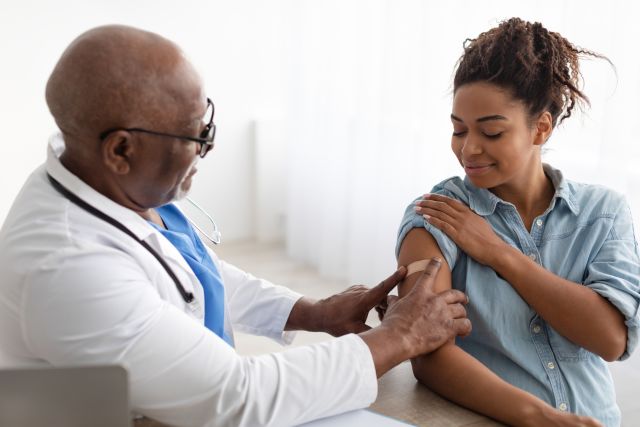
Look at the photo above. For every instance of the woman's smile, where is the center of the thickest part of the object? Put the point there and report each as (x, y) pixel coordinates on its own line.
(476, 169)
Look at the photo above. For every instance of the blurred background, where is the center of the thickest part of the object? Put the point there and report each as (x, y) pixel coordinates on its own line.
(332, 117)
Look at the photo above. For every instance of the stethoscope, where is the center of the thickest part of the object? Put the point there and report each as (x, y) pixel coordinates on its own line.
(214, 238)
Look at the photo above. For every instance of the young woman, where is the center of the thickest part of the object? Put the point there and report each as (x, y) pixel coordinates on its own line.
(550, 266)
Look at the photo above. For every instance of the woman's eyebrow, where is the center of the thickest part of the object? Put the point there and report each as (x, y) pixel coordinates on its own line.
(488, 118)
(481, 119)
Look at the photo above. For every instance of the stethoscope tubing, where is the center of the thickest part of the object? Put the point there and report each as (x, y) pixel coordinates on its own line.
(186, 296)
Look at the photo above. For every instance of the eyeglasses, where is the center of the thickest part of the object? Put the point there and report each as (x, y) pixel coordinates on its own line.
(205, 140)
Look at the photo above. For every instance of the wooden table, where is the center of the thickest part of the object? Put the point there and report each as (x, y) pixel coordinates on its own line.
(400, 396)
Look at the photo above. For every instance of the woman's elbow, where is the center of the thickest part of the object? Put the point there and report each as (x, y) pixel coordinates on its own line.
(616, 346)
(422, 366)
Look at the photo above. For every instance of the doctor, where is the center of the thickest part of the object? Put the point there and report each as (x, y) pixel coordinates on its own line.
(98, 267)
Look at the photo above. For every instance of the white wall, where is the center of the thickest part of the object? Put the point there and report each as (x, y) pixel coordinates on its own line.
(326, 69)
(236, 46)
(370, 108)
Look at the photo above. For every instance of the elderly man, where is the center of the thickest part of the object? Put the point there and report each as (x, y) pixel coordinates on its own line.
(99, 267)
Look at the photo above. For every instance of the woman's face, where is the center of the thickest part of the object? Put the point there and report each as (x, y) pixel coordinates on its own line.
(492, 136)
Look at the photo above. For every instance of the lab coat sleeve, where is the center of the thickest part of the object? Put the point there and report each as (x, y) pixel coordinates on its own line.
(256, 306)
(80, 310)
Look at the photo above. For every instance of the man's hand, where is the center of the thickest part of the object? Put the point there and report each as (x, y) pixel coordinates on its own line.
(425, 318)
(342, 313)
(417, 323)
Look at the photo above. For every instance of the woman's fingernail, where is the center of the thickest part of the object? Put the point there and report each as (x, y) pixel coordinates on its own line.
(427, 217)
(417, 208)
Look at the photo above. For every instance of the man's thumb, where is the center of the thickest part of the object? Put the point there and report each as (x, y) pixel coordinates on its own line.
(427, 279)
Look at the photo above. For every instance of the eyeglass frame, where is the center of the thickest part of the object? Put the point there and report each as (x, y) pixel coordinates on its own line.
(205, 140)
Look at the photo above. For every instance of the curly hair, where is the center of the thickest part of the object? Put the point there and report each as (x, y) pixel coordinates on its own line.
(539, 67)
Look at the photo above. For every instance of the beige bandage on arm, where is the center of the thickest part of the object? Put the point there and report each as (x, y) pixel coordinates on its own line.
(417, 266)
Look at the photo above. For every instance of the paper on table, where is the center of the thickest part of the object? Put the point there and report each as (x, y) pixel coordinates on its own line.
(361, 417)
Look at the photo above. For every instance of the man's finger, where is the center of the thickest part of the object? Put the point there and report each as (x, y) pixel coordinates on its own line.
(453, 296)
(428, 277)
(462, 327)
(379, 292)
(457, 311)
(391, 299)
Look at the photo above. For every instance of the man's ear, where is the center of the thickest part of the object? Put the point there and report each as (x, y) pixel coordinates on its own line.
(117, 149)
(543, 128)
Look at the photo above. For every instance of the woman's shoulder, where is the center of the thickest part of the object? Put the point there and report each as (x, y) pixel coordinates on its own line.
(595, 198)
(454, 187)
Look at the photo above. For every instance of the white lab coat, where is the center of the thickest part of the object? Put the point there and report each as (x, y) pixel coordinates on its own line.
(76, 291)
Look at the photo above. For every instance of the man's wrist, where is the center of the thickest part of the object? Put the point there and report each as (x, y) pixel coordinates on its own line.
(387, 347)
(306, 315)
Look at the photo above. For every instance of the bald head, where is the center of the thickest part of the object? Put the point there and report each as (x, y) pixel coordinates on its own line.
(119, 77)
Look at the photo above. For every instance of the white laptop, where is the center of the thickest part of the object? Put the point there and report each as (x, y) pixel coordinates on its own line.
(65, 397)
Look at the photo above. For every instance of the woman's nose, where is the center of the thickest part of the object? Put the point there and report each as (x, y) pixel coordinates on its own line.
(471, 146)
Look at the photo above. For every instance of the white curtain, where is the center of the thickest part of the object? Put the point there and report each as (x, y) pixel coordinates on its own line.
(368, 115)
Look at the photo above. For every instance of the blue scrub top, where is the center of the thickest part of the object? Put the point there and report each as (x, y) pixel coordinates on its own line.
(182, 235)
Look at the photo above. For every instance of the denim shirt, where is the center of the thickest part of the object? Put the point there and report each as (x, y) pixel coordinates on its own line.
(585, 236)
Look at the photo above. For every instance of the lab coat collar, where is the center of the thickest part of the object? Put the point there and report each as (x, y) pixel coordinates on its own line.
(130, 219)
(71, 182)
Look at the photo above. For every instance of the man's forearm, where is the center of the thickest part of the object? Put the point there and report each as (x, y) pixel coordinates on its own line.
(387, 347)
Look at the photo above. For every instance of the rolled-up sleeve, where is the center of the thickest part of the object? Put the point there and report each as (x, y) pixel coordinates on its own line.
(412, 220)
(614, 273)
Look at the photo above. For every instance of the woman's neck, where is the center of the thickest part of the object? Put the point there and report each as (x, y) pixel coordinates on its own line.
(531, 194)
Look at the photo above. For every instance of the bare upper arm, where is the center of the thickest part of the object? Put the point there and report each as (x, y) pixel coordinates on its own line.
(420, 244)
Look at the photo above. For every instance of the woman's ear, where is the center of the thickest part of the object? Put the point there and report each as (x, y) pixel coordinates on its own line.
(117, 149)
(543, 128)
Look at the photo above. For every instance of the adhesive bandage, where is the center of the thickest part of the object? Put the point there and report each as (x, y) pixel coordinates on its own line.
(417, 266)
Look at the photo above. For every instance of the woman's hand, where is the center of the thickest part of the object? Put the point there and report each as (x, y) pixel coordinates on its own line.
(468, 230)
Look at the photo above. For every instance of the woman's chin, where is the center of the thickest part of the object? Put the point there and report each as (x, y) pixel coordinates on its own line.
(481, 181)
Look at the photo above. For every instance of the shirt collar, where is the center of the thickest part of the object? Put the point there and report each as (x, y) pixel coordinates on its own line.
(71, 182)
(484, 202)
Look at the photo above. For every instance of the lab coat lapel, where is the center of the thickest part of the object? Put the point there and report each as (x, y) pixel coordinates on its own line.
(127, 217)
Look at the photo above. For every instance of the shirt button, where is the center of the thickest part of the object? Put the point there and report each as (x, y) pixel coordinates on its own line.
(562, 406)
(532, 256)
(550, 365)
(539, 223)
(536, 329)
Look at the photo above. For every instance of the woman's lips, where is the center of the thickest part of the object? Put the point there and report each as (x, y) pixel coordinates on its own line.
(476, 170)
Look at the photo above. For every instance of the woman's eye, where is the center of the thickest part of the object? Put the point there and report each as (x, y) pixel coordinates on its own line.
(459, 133)
(493, 136)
